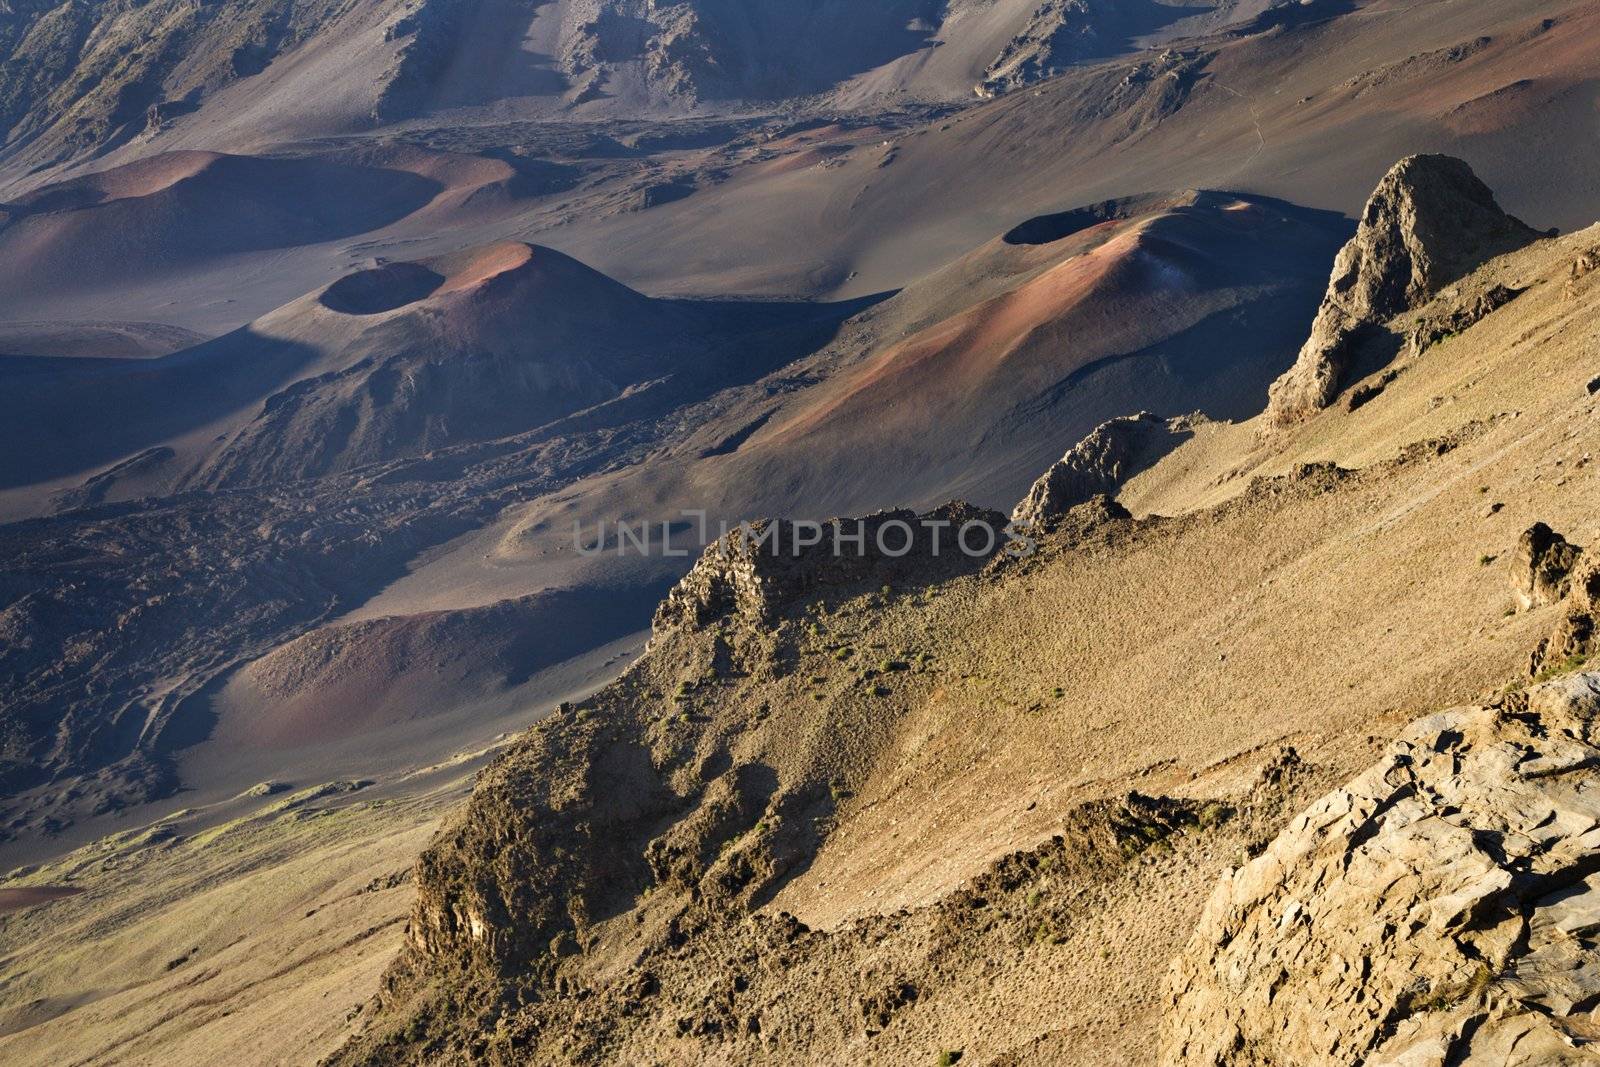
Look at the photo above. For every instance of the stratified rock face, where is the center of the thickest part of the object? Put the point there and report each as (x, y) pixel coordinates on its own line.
(753, 571)
(1429, 223)
(1095, 466)
(1441, 908)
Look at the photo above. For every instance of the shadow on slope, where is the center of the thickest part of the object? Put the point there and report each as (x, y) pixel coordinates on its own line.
(181, 208)
(974, 379)
(397, 361)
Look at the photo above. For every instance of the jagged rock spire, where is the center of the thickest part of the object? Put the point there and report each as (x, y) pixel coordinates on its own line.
(1429, 223)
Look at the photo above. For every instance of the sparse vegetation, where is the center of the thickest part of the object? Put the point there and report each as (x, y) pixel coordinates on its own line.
(1213, 813)
(1336, 585)
(1564, 666)
(1446, 997)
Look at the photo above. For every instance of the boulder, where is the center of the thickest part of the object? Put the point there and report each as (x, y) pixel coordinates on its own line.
(1541, 570)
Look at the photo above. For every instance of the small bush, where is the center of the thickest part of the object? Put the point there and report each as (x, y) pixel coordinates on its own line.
(1565, 666)
(1449, 996)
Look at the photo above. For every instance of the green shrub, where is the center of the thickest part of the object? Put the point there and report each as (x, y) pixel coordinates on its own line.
(1565, 666)
(1213, 813)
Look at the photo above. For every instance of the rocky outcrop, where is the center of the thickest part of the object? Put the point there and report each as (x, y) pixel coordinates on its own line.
(1097, 466)
(1058, 33)
(1429, 223)
(1432, 329)
(1441, 908)
(752, 572)
(427, 40)
(1549, 570)
(1585, 264)
(1541, 571)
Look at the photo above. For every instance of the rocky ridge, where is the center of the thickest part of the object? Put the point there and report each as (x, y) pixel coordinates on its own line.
(759, 568)
(1429, 223)
(1097, 466)
(606, 895)
(1058, 33)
